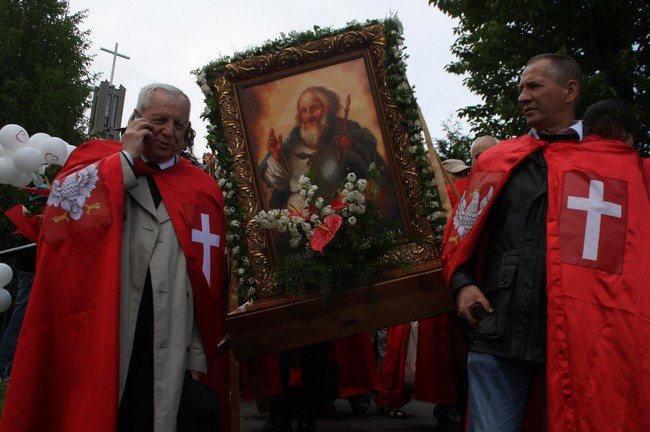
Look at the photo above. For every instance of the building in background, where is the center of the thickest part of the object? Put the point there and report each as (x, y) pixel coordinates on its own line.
(106, 111)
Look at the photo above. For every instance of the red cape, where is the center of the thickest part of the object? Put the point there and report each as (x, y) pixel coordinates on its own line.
(460, 187)
(357, 365)
(65, 373)
(434, 370)
(27, 224)
(391, 381)
(598, 333)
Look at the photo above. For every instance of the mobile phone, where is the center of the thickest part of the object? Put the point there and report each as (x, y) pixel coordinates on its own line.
(134, 115)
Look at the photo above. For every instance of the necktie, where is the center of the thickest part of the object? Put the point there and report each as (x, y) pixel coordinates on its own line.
(155, 192)
(538, 157)
(154, 165)
(153, 187)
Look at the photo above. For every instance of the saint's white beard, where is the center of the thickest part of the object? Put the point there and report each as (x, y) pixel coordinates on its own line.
(312, 135)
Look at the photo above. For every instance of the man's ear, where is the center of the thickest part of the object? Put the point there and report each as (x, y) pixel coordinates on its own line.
(190, 134)
(134, 115)
(572, 91)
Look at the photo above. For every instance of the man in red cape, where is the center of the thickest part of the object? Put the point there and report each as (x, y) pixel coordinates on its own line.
(578, 208)
(435, 372)
(112, 226)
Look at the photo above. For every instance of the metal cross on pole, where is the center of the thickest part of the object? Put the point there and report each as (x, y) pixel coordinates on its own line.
(115, 55)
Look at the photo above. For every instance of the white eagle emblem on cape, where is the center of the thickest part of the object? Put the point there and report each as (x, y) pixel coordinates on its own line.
(71, 194)
(467, 213)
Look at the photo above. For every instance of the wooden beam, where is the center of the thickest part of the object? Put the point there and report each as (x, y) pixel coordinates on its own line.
(277, 324)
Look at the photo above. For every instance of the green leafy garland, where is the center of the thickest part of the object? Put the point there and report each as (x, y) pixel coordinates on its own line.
(402, 91)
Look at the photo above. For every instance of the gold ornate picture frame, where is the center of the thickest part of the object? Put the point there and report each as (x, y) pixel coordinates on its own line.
(254, 95)
(257, 97)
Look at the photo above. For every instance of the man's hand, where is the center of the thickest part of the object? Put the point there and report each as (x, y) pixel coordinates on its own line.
(135, 135)
(343, 141)
(274, 145)
(195, 374)
(466, 298)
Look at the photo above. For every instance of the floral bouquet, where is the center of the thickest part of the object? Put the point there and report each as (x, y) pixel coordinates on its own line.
(334, 247)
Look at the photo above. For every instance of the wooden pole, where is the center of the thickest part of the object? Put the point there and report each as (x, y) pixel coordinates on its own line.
(235, 408)
(457, 334)
(440, 174)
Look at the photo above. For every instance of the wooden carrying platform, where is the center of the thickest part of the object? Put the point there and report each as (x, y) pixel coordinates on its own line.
(281, 323)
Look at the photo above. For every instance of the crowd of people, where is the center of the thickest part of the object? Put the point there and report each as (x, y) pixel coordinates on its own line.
(545, 255)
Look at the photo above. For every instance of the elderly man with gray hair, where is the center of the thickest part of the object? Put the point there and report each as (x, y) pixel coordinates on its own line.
(127, 307)
(481, 144)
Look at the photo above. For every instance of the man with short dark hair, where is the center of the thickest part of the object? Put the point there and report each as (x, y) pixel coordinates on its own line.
(547, 257)
(611, 119)
(127, 308)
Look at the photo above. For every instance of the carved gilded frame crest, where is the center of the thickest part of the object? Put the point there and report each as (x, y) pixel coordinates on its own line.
(367, 44)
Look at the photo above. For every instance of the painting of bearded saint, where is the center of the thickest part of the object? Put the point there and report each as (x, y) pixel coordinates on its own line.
(330, 144)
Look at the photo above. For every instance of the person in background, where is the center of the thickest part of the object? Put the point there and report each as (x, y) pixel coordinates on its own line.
(419, 363)
(128, 303)
(458, 172)
(24, 265)
(304, 373)
(611, 119)
(480, 145)
(456, 168)
(551, 238)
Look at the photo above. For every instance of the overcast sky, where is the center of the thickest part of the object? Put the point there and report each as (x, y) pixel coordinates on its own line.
(167, 39)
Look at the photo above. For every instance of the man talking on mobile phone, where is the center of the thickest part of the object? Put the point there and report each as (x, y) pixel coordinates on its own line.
(128, 306)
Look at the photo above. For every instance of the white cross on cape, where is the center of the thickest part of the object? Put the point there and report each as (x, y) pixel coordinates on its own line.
(208, 239)
(595, 208)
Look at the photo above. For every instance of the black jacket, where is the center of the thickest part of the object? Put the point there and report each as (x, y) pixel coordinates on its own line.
(514, 276)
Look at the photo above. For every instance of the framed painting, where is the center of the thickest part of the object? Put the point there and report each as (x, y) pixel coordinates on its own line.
(331, 105)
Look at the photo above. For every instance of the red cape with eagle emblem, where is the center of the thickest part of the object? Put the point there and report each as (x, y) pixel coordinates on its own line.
(65, 373)
(598, 268)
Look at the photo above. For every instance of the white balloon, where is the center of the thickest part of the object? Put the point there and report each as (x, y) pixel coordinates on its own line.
(71, 148)
(28, 159)
(8, 171)
(5, 274)
(54, 151)
(37, 139)
(13, 137)
(23, 181)
(4, 152)
(5, 300)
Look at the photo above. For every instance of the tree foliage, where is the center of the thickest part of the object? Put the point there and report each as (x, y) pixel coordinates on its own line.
(455, 144)
(45, 80)
(609, 39)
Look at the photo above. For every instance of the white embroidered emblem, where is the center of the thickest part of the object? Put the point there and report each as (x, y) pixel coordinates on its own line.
(468, 213)
(71, 194)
